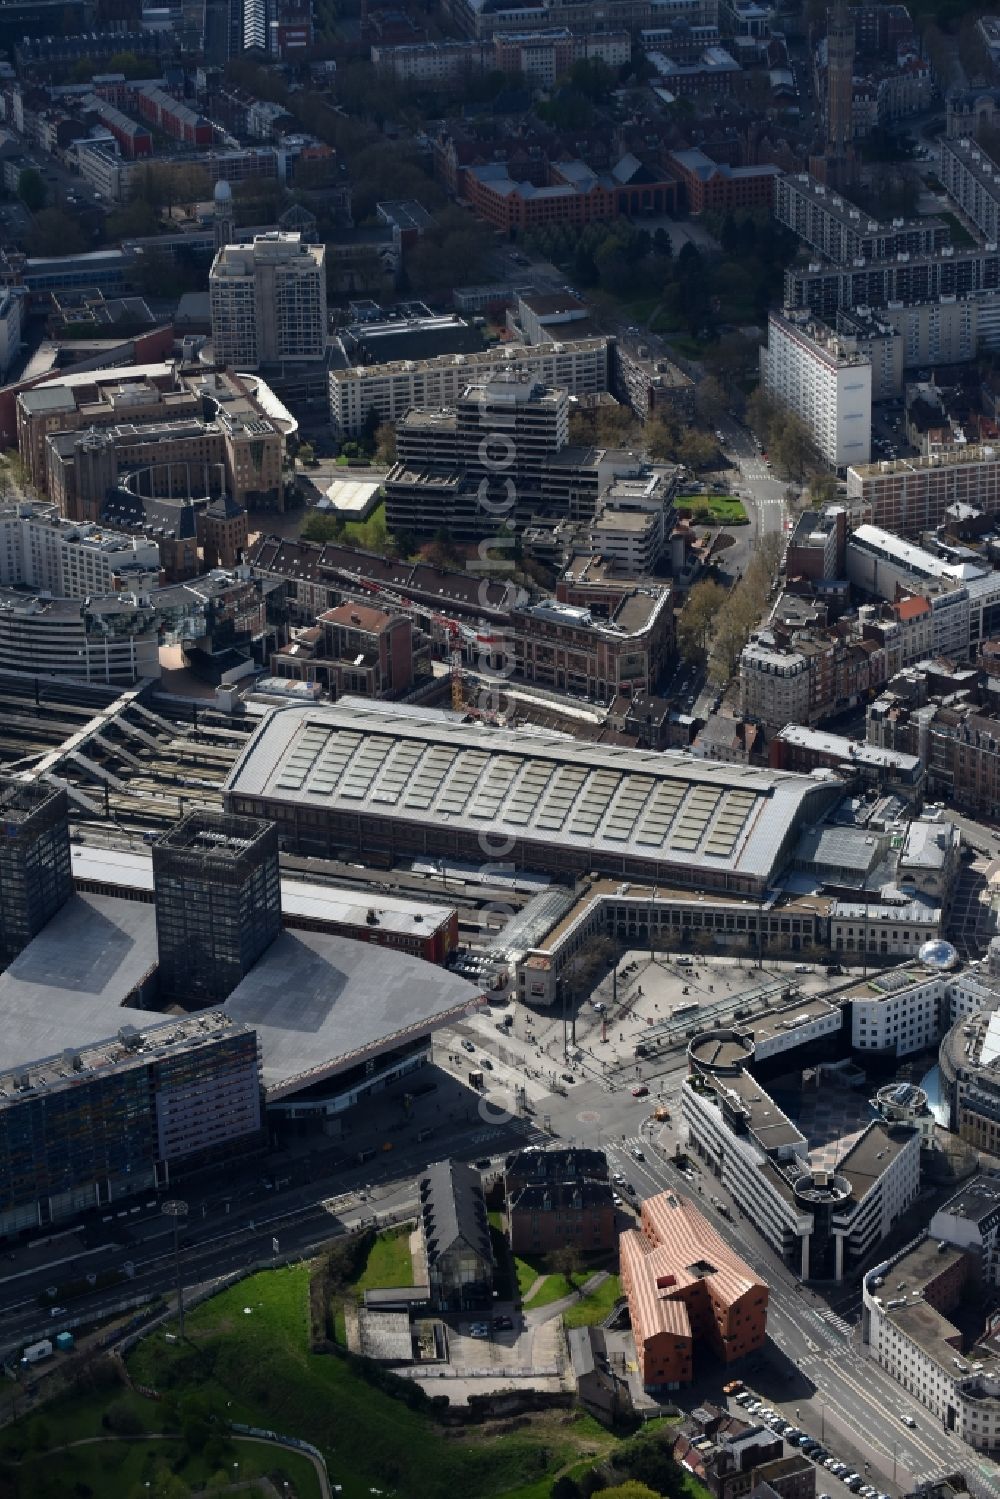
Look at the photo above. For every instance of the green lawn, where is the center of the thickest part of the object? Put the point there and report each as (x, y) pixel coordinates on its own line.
(527, 1274)
(726, 509)
(257, 1366)
(595, 1307)
(389, 1263)
(552, 1288)
(126, 1467)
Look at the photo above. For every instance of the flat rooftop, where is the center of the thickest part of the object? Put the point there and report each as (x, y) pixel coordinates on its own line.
(320, 1003)
(355, 757)
(68, 987)
(303, 899)
(977, 1199)
(872, 1154)
(780, 1022)
(772, 1128)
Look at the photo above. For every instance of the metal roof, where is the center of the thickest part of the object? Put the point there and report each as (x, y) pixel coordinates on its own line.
(363, 758)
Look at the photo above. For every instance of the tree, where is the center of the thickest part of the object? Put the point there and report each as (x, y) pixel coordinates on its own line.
(711, 401)
(822, 490)
(697, 620)
(55, 233)
(31, 189)
(306, 454)
(660, 438)
(567, 1262)
(696, 449)
(385, 444)
(565, 1487)
(793, 446)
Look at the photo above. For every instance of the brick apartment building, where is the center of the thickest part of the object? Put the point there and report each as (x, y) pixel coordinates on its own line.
(714, 186)
(573, 193)
(570, 650)
(685, 1286)
(555, 1198)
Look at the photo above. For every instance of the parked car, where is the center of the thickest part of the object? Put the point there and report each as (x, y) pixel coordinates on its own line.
(479, 1330)
(503, 1324)
(467, 1046)
(640, 1092)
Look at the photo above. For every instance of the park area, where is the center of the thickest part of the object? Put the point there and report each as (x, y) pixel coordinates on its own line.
(707, 509)
(247, 1358)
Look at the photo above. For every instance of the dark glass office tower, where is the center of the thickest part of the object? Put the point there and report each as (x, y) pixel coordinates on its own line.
(35, 873)
(218, 904)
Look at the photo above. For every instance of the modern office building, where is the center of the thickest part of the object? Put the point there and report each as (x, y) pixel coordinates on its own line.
(499, 456)
(218, 904)
(95, 1124)
(387, 781)
(35, 876)
(686, 1287)
(821, 1221)
(811, 370)
(911, 495)
(388, 391)
(268, 302)
(163, 431)
(110, 638)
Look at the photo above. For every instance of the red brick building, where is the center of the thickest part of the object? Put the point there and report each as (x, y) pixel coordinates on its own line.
(175, 119)
(712, 185)
(686, 1286)
(371, 650)
(572, 193)
(555, 1198)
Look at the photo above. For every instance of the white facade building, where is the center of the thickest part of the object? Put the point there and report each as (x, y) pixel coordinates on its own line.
(268, 302)
(39, 550)
(906, 1302)
(820, 1222)
(580, 367)
(809, 369)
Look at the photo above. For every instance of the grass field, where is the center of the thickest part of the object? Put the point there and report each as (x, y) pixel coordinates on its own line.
(726, 509)
(389, 1263)
(595, 1307)
(125, 1467)
(256, 1364)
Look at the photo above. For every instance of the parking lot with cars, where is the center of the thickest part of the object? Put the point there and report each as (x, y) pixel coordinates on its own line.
(828, 1464)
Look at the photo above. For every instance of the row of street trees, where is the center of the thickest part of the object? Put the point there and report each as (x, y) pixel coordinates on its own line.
(715, 623)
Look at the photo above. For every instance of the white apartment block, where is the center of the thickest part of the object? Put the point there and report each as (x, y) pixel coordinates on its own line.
(906, 1302)
(268, 302)
(905, 1010)
(105, 169)
(432, 62)
(819, 1222)
(580, 367)
(40, 551)
(13, 311)
(809, 369)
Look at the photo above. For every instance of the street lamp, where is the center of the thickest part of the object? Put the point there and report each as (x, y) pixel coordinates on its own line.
(176, 1209)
